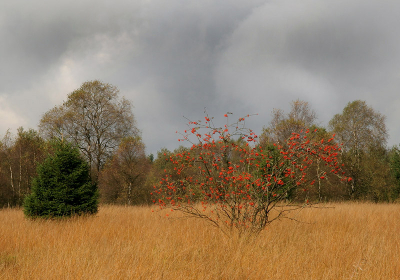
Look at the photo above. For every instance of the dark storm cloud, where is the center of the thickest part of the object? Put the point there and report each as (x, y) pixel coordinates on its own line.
(325, 52)
(173, 58)
(178, 51)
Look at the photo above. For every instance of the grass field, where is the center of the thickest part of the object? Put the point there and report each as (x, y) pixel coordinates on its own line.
(350, 241)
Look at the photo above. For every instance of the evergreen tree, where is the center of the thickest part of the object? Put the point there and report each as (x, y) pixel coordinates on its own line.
(63, 186)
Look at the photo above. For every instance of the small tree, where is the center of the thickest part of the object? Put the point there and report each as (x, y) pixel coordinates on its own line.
(63, 186)
(123, 179)
(235, 183)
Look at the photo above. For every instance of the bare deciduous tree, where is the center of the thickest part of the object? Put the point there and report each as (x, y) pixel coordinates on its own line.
(300, 117)
(95, 119)
(19, 156)
(123, 179)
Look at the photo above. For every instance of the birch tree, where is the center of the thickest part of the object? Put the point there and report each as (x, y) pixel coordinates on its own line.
(94, 118)
(363, 133)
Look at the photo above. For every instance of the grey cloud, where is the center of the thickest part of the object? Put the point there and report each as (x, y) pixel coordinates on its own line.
(178, 53)
(327, 53)
(173, 58)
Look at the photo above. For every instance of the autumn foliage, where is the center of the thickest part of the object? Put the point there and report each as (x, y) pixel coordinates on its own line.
(230, 181)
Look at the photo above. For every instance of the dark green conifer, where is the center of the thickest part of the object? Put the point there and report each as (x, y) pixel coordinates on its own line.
(63, 186)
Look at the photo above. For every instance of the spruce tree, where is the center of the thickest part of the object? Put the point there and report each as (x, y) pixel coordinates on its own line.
(63, 186)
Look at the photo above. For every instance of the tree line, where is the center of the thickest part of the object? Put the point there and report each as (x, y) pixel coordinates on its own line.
(101, 124)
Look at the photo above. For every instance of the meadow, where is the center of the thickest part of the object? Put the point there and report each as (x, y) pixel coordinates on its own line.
(348, 241)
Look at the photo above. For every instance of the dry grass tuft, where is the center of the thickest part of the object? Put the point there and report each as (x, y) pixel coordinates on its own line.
(351, 241)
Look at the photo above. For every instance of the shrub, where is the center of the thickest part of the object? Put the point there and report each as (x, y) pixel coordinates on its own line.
(233, 183)
(63, 186)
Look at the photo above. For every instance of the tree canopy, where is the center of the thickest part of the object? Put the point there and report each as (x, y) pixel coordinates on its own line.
(359, 127)
(95, 119)
(300, 117)
(363, 134)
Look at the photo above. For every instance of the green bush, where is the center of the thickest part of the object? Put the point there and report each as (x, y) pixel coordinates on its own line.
(63, 186)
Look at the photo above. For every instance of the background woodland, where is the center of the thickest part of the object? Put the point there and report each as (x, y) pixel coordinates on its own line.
(102, 125)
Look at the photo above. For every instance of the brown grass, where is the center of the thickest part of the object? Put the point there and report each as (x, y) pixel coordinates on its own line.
(351, 241)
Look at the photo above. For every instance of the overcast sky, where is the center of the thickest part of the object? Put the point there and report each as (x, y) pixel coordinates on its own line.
(174, 58)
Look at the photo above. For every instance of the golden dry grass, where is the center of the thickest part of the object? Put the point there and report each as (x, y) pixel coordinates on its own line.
(351, 241)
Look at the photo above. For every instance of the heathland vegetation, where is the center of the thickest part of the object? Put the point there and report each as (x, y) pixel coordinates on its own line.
(88, 150)
(101, 124)
(349, 241)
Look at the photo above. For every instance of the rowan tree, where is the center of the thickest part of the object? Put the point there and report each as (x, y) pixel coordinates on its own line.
(300, 118)
(330, 188)
(95, 119)
(236, 184)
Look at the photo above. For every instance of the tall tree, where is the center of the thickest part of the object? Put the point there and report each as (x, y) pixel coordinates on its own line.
(95, 119)
(7, 188)
(282, 125)
(394, 156)
(19, 156)
(363, 133)
(359, 127)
